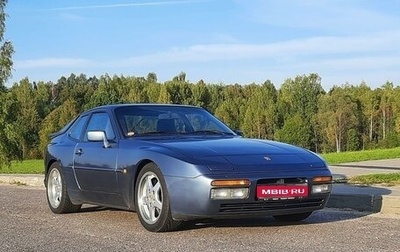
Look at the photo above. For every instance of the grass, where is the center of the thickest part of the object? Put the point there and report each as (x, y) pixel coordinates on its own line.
(386, 179)
(356, 156)
(34, 166)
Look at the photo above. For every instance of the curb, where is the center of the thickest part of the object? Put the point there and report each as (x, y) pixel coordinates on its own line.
(365, 203)
(358, 202)
(26, 179)
(391, 205)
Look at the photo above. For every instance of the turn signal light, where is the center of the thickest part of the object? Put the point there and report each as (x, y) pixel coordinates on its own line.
(322, 179)
(231, 182)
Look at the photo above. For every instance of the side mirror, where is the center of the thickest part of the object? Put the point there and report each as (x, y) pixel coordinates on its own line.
(98, 136)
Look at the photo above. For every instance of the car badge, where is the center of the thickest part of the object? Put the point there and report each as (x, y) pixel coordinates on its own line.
(267, 158)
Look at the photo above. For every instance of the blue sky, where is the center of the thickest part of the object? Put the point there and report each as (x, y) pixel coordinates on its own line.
(219, 41)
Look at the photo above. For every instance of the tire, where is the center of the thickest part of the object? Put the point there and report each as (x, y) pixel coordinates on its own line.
(56, 192)
(152, 201)
(292, 217)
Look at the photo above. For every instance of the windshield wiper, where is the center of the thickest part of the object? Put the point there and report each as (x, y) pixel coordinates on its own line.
(153, 133)
(197, 132)
(210, 132)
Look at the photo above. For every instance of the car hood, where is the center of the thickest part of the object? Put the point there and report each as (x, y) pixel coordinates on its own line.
(243, 154)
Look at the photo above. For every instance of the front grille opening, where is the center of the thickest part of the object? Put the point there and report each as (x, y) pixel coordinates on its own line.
(281, 181)
(265, 206)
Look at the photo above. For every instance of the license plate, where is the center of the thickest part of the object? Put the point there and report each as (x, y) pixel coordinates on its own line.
(281, 191)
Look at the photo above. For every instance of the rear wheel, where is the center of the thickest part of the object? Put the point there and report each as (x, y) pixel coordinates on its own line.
(152, 201)
(292, 217)
(56, 192)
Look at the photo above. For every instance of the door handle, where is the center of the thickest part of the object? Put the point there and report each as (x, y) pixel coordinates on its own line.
(79, 152)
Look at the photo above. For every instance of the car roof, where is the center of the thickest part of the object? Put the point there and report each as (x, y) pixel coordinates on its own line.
(114, 106)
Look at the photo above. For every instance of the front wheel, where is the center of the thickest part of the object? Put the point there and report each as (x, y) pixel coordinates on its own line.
(292, 217)
(152, 201)
(56, 192)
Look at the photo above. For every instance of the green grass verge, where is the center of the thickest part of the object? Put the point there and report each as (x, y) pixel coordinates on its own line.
(34, 166)
(356, 156)
(387, 179)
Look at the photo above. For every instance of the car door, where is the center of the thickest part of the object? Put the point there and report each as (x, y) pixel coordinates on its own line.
(95, 164)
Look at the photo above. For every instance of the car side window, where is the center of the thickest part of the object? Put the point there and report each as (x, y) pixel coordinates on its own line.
(77, 128)
(101, 121)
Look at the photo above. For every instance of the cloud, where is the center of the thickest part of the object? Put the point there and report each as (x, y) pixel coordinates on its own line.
(316, 47)
(341, 17)
(373, 58)
(52, 63)
(327, 49)
(72, 17)
(123, 5)
(357, 63)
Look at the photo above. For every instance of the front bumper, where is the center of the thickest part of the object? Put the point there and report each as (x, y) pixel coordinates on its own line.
(190, 198)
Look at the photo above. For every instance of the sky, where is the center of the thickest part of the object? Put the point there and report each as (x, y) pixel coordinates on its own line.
(218, 41)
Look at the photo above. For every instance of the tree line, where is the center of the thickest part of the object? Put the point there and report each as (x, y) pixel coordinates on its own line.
(346, 118)
(301, 112)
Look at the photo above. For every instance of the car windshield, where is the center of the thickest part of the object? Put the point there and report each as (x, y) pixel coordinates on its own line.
(153, 120)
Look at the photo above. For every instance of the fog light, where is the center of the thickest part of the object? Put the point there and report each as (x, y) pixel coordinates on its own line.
(324, 188)
(229, 193)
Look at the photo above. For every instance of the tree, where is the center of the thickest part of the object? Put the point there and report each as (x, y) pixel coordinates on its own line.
(152, 91)
(109, 91)
(386, 108)
(6, 49)
(179, 91)
(136, 91)
(27, 118)
(228, 113)
(43, 99)
(336, 117)
(231, 109)
(200, 95)
(396, 93)
(151, 77)
(57, 119)
(300, 97)
(164, 96)
(9, 146)
(260, 118)
(369, 102)
(295, 131)
(216, 96)
(180, 77)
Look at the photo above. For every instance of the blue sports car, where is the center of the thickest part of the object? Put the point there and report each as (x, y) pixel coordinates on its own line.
(175, 163)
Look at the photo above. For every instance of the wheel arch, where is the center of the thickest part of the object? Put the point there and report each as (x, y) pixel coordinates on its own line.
(169, 166)
(46, 169)
(139, 167)
(161, 220)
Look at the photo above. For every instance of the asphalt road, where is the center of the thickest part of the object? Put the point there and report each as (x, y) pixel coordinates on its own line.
(26, 224)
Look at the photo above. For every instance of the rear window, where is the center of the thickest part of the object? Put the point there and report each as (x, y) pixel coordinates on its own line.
(77, 128)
